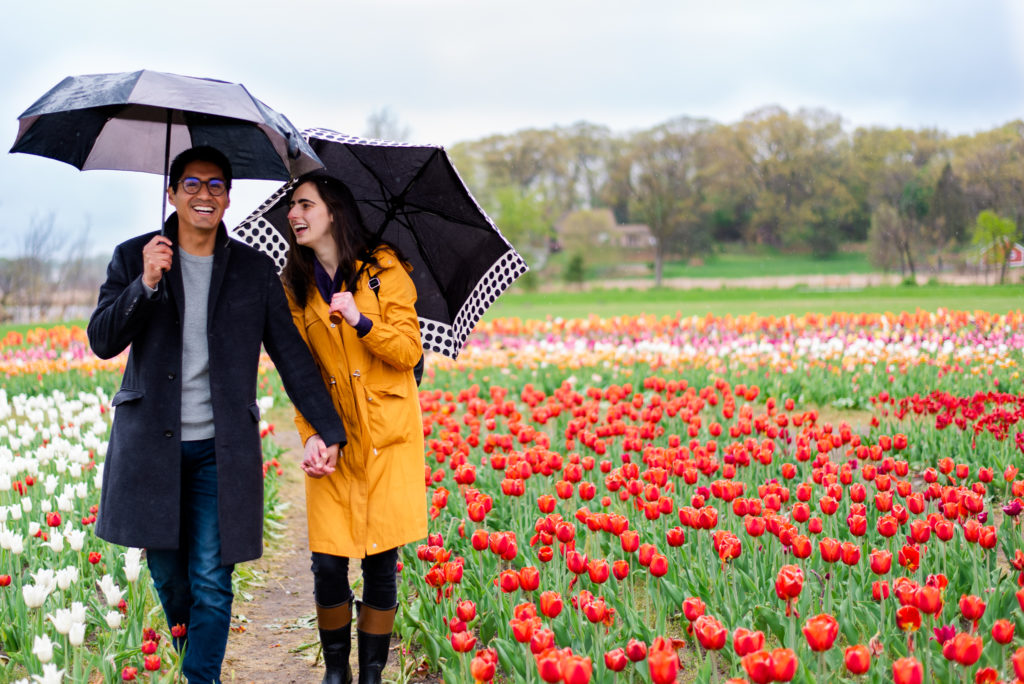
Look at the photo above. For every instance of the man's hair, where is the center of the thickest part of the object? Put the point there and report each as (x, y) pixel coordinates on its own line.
(201, 153)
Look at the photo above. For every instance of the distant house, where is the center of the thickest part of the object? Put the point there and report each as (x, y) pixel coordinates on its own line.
(597, 227)
(1015, 259)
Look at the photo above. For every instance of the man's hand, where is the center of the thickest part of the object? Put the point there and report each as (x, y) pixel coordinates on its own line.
(319, 459)
(156, 259)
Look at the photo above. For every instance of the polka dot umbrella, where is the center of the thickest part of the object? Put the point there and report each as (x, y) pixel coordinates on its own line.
(412, 197)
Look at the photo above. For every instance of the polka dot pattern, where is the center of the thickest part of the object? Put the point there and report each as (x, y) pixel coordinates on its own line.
(443, 337)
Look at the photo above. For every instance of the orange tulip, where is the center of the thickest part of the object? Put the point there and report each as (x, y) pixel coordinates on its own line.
(710, 632)
(907, 671)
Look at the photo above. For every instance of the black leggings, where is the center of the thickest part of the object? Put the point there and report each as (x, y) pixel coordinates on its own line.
(380, 580)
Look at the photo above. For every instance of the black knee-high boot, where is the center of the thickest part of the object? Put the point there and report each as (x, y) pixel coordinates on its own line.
(335, 625)
(373, 629)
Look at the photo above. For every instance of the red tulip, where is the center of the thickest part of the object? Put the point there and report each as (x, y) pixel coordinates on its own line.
(907, 671)
(465, 610)
(462, 642)
(1018, 663)
(529, 578)
(479, 540)
(758, 666)
(151, 663)
(630, 540)
(829, 549)
(986, 675)
(598, 571)
(972, 608)
(908, 618)
(821, 632)
(1002, 631)
(647, 552)
(620, 569)
(522, 629)
(963, 648)
(783, 664)
(879, 590)
(880, 560)
(542, 640)
(576, 669)
(616, 660)
(636, 650)
(508, 580)
(662, 662)
(850, 553)
(548, 665)
(857, 659)
(801, 546)
(693, 608)
(550, 604)
(576, 562)
(745, 641)
(710, 632)
(659, 565)
(484, 665)
(128, 674)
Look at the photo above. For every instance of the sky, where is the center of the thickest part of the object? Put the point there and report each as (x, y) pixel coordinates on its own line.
(457, 70)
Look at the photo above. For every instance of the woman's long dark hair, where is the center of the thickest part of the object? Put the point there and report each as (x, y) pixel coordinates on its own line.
(355, 242)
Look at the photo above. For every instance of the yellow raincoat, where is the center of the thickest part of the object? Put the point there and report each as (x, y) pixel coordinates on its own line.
(375, 499)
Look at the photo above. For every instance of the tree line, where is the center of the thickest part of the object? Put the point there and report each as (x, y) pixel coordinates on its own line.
(796, 181)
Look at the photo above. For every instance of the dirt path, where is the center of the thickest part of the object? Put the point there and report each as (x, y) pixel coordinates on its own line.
(273, 636)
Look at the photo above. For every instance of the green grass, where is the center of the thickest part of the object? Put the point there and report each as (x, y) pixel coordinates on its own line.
(735, 265)
(736, 301)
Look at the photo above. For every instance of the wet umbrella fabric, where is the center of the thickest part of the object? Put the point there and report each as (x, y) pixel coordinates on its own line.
(412, 197)
(139, 121)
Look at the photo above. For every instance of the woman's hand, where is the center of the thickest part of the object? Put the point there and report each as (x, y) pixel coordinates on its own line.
(343, 303)
(319, 459)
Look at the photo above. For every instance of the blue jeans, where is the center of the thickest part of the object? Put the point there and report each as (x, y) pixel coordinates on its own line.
(194, 588)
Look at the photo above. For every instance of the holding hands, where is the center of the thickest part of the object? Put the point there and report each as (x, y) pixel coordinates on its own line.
(319, 459)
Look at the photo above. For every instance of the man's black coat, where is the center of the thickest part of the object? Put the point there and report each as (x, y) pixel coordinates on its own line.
(140, 499)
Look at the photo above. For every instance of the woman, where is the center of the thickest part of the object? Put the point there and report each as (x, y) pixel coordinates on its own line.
(353, 303)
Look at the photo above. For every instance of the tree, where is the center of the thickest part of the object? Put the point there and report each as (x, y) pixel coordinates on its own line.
(522, 221)
(664, 185)
(996, 236)
(383, 124)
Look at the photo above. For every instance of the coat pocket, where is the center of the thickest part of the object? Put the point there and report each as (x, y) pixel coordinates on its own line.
(254, 411)
(124, 396)
(389, 413)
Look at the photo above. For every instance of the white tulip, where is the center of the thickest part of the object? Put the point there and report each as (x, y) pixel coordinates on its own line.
(51, 675)
(132, 564)
(45, 577)
(110, 590)
(67, 576)
(77, 634)
(77, 611)
(61, 620)
(56, 542)
(5, 482)
(26, 504)
(15, 510)
(42, 648)
(75, 539)
(34, 595)
(33, 529)
(50, 483)
(113, 618)
(65, 504)
(17, 544)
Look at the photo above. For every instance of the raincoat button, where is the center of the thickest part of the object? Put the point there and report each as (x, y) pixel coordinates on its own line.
(334, 325)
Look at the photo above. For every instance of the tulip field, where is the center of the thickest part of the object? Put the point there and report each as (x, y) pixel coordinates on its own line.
(634, 499)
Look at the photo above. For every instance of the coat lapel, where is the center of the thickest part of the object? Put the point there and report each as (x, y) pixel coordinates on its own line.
(221, 255)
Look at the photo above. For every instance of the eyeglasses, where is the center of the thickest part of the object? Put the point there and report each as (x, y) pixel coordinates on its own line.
(216, 186)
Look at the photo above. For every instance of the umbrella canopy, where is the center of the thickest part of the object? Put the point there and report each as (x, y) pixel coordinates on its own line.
(138, 121)
(412, 197)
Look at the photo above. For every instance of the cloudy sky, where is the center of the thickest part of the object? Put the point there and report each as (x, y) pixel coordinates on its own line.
(453, 70)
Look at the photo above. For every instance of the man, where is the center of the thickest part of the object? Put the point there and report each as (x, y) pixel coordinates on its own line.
(183, 474)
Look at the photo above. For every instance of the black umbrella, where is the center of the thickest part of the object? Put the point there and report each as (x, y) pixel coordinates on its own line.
(412, 197)
(138, 121)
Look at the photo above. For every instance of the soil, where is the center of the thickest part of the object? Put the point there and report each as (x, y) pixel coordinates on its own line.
(273, 633)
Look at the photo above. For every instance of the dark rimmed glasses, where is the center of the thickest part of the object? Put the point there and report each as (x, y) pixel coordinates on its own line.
(192, 186)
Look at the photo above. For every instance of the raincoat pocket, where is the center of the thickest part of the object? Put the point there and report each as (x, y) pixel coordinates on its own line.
(388, 413)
